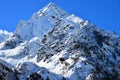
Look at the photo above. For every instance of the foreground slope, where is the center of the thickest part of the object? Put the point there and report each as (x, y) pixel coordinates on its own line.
(54, 45)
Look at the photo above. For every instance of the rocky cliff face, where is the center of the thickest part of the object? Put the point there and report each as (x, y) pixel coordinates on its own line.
(54, 45)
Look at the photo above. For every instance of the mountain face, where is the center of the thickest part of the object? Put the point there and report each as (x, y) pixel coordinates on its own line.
(54, 45)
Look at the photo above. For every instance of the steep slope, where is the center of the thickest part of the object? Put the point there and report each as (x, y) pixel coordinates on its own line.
(54, 45)
(89, 53)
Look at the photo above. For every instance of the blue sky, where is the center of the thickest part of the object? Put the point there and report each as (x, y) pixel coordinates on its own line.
(104, 13)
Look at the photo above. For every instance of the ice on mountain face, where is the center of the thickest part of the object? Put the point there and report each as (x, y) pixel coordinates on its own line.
(55, 45)
(74, 18)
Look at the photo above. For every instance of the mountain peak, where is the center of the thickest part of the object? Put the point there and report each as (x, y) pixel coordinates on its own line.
(51, 4)
(52, 9)
(41, 22)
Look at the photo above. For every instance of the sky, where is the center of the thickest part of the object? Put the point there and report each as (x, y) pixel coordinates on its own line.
(103, 13)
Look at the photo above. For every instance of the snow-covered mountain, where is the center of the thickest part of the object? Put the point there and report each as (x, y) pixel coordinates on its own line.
(55, 45)
(4, 35)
